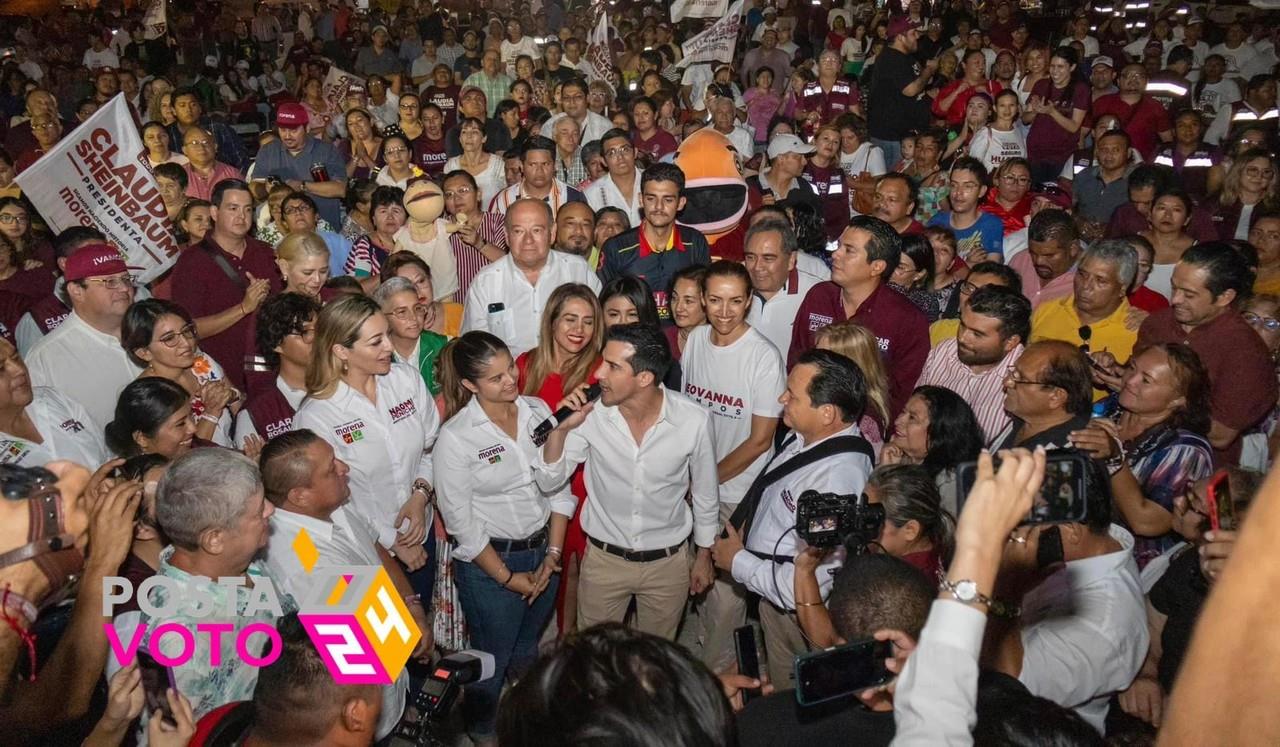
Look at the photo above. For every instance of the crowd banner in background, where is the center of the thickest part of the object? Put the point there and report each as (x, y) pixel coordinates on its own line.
(697, 9)
(98, 176)
(717, 43)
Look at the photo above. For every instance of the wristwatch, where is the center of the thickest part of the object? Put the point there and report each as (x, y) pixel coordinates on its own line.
(965, 592)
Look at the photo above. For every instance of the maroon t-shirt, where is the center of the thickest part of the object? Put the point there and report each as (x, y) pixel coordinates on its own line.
(659, 145)
(1242, 376)
(829, 183)
(202, 287)
(430, 155)
(447, 99)
(1047, 140)
(901, 330)
(1143, 121)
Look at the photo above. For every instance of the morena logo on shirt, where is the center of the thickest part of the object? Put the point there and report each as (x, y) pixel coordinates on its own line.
(492, 455)
(403, 410)
(818, 321)
(71, 425)
(350, 432)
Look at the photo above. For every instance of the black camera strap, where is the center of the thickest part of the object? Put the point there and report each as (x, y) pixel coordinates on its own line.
(745, 513)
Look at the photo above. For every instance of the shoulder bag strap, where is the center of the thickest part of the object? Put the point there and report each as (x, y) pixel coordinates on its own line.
(224, 265)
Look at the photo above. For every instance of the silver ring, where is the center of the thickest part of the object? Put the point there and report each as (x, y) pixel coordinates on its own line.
(1019, 540)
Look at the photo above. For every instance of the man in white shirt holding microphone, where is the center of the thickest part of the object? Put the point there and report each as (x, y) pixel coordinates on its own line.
(645, 449)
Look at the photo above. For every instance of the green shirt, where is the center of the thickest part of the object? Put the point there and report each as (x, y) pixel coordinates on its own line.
(424, 358)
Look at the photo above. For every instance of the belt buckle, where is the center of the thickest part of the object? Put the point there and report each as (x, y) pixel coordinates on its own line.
(632, 556)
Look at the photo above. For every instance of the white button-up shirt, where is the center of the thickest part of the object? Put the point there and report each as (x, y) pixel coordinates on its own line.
(66, 429)
(344, 540)
(485, 481)
(501, 282)
(593, 128)
(88, 366)
(772, 531)
(775, 317)
(1084, 631)
(387, 444)
(603, 192)
(636, 493)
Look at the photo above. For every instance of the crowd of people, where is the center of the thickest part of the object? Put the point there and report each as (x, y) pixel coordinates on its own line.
(873, 247)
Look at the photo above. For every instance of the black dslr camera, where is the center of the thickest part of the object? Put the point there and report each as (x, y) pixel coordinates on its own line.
(827, 519)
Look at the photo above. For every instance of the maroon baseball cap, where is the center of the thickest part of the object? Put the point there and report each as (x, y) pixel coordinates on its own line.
(95, 261)
(291, 115)
(901, 25)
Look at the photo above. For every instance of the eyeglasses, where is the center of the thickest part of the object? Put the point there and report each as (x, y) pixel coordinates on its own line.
(306, 334)
(200, 143)
(618, 152)
(1086, 334)
(187, 333)
(573, 97)
(967, 288)
(395, 151)
(406, 313)
(1268, 323)
(1013, 376)
(409, 105)
(116, 283)
(297, 210)
(1011, 179)
(8, 218)
(459, 192)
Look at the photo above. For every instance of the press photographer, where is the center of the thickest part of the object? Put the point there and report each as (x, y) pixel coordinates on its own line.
(826, 453)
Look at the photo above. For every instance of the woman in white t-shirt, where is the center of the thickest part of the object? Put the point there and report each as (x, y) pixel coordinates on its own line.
(1000, 140)
(737, 374)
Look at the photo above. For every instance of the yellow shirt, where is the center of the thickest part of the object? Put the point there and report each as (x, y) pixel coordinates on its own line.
(1267, 287)
(943, 329)
(1058, 320)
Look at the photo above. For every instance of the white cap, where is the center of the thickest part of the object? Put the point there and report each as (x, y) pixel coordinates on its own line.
(788, 143)
(1102, 59)
(242, 64)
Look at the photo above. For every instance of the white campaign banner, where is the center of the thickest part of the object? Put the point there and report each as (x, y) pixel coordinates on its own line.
(599, 57)
(98, 176)
(697, 9)
(335, 87)
(717, 43)
(156, 21)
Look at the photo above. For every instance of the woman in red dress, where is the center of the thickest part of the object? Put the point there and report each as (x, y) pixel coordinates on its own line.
(570, 339)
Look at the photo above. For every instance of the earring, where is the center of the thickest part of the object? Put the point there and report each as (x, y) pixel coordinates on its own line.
(344, 366)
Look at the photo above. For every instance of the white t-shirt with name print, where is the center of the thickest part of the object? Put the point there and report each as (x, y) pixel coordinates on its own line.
(734, 382)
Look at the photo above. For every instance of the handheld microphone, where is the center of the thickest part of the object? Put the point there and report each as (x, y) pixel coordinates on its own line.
(559, 416)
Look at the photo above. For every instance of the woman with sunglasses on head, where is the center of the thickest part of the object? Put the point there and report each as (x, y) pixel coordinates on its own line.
(381, 420)
(1155, 444)
(161, 337)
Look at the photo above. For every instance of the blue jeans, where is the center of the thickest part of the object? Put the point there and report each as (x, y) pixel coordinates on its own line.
(892, 151)
(423, 580)
(503, 624)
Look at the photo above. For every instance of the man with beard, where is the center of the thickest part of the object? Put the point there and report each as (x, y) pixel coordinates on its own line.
(575, 231)
(994, 326)
(895, 203)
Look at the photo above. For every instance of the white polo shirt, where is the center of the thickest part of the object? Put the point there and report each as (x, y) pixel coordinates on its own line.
(344, 540)
(68, 432)
(387, 444)
(603, 191)
(484, 479)
(775, 317)
(502, 284)
(88, 366)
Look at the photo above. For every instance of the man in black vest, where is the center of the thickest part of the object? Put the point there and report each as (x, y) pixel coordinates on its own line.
(825, 396)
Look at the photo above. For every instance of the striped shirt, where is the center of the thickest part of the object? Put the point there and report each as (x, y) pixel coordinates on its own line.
(983, 391)
(366, 258)
(470, 260)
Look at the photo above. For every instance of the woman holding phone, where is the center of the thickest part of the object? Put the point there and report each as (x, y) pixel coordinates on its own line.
(508, 533)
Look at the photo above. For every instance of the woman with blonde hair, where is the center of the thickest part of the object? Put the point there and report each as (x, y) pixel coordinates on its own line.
(571, 337)
(1253, 183)
(303, 259)
(381, 421)
(859, 345)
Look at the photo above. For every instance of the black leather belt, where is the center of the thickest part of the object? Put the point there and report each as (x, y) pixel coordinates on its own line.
(537, 539)
(773, 558)
(636, 556)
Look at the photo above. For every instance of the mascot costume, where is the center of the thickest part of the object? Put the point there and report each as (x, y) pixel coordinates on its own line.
(717, 198)
(427, 235)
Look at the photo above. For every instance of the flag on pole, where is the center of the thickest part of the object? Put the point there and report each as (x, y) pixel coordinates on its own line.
(717, 42)
(156, 20)
(697, 9)
(335, 86)
(98, 176)
(599, 57)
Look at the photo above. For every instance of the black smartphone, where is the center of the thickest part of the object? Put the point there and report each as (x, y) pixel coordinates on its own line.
(496, 307)
(744, 643)
(1063, 495)
(840, 671)
(156, 679)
